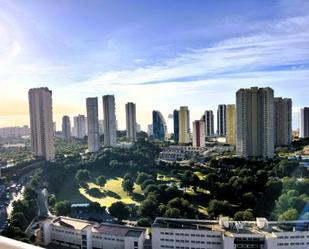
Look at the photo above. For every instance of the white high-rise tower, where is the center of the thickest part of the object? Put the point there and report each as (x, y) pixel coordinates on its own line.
(110, 130)
(131, 121)
(41, 122)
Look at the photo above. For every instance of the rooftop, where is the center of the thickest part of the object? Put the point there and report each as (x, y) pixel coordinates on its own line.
(72, 223)
(118, 230)
(230, 228)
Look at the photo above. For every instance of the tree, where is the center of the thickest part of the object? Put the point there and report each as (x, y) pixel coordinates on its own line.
(82, 175)
(290, 214)
(19, 220)
(128, 185)
(62, 208)
(244, 215)
(101, 181)
(144, 222)
(119, 210)
(217, 208)
(172, 213)
(148, 207)
(141, 177)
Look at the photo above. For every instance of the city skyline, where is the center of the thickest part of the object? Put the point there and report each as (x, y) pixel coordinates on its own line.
(199, 57)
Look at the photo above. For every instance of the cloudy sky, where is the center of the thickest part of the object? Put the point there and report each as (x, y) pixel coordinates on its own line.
(159, 54)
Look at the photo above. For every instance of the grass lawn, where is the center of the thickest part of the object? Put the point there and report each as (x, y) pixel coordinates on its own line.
(111, 192)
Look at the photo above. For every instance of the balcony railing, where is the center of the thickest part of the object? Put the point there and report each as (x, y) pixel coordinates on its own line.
(6, 243)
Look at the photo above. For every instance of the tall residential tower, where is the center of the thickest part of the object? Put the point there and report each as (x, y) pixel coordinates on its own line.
(184, 125)
(283, 121)
(198, 136)
(221, 120)
(230, 124)
(159, 126)
(304, 122)
(110, 125)
(209, 123)
(41, 122)
(131, 121)
(255, 122)
(66, 127)
(93, 124)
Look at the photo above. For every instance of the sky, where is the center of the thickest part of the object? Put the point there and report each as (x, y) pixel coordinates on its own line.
(160, 54)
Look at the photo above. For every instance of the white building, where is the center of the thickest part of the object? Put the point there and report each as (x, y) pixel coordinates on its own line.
(110, 124)
(79, 129)
(150, 130)
(225, 234)
(180, 153)
(93, 124)
(80, 234)
(131, 125)
(15, 131)
(41, 122)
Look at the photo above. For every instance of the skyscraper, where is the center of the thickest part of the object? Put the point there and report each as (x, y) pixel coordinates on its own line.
(230, 124)
(176, 125)
(110, 125)
(66, 127)
(255, 122)
(198, 138)
(150, 130)
(93, 124)
(184, 125)
(79, 129)
(209, 123)
(304, 122)
(221, 120)
(131, 121)
(41, 122)
(283, 121)
(159, 126)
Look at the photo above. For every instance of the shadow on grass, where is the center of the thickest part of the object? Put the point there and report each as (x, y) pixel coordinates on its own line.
(112, 194)
(95, 192)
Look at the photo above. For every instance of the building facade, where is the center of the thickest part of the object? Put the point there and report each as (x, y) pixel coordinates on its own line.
(255, 122)
(198, 136)
(209, 123)
(131, 124)
(283, 121)
(158, 126)
(231, 124)
(226, 234)
(79, 129)
(184, 125)
(41, 122)
(110, 124)
(221, 120)
(176, 125)
(73, 233)
(15, 131)
(66, 127)
(92, 124)
(304, 122)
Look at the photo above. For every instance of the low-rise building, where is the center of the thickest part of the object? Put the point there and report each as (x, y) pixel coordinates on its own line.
(180, 153)
(226, 234)
(80, 234)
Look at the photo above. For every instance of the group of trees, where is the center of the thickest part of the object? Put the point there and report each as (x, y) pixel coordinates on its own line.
(23, 212)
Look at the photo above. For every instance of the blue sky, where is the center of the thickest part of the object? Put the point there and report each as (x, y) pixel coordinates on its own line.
(159, 54)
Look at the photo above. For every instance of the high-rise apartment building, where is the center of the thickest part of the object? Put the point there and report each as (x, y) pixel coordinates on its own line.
(221, 120)
(93, 124)
(231, 124)
(255, 122)
(66, 127)
(209, 123)
(184, 125)
(158, 126)
(150, 130)
(176, 125)
(283, 121)
(131, 121)
(41, 122)
(110, 124)
(304, 122)
(79, 129)
(198, 137)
